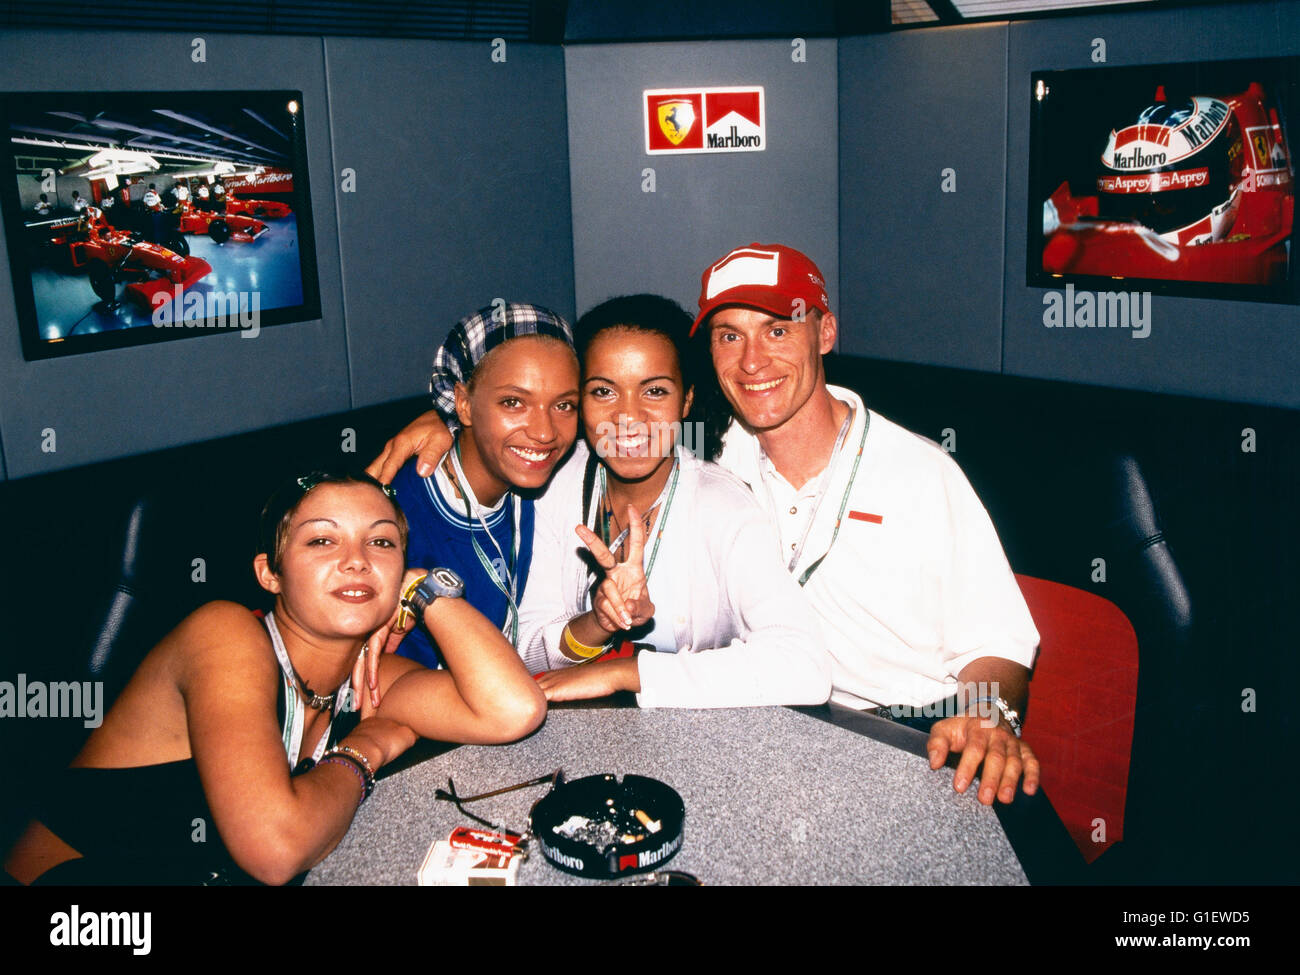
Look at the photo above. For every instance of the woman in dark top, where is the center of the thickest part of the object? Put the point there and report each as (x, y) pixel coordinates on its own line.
(191, 775)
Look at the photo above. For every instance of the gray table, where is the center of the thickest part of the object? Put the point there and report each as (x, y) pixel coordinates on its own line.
(772, 796)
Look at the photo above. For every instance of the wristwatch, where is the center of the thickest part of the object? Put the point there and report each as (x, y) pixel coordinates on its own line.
(438, 584)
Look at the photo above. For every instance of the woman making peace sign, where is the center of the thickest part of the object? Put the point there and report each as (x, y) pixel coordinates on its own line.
(676, 555)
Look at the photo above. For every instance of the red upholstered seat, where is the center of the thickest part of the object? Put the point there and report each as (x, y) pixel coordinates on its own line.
(1082, 698)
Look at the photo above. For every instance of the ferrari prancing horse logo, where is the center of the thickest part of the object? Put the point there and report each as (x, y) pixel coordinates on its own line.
(676, 117)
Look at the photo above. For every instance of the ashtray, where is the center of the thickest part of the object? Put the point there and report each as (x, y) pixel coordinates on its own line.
(598, 826)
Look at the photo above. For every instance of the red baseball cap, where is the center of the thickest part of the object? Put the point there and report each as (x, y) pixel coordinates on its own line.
(769, 277)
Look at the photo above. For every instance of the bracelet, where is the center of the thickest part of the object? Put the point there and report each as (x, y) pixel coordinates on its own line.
(337, 756)
(405, 613)
(581, 650)
(1009, 714)
(339, 760)
(349, 750)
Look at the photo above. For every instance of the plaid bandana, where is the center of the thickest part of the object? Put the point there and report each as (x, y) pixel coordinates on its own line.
(474, 337)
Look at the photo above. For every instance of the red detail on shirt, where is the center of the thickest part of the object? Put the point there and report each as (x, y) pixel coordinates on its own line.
(867, 516)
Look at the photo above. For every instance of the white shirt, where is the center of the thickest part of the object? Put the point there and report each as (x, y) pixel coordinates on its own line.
(916, 585)
(745, 632)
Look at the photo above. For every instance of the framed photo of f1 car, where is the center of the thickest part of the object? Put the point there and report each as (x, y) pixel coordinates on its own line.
(136, 217)
(1177, 178)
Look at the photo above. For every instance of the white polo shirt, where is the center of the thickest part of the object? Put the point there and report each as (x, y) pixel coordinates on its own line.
(916, 585)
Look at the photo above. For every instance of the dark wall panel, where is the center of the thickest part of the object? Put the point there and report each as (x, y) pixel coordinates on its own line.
(462, 194)
(627, 240)
(126, 401)
(589, 20)
(921, 265)
(1247, 351)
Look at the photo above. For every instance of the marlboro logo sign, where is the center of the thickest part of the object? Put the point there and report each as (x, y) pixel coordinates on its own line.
(704, 120)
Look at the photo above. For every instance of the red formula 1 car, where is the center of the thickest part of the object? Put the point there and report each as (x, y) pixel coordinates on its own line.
(258, 208)
(221, 227)
(111, 257)
(1199, 189)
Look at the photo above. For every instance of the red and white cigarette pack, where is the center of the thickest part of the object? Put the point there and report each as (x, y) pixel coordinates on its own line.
(471, 858)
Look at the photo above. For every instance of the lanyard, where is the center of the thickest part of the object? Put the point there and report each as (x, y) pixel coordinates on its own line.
(669, 490)
(510, 586)
(821, 494)
(825, 480)
(295, 716)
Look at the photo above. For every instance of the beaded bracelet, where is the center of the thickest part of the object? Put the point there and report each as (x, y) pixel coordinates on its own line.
(355, 771)
(349, 750)
(367, 779)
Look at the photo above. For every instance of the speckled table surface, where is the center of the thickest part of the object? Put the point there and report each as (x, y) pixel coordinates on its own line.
(772, 797)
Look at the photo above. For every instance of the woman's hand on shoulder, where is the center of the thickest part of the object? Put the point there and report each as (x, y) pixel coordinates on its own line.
(426, 436)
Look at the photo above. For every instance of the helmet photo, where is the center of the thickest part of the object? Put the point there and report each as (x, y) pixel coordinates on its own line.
(1176, 170)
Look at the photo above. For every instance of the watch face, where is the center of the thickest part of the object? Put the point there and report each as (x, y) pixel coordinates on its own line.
(445, 582)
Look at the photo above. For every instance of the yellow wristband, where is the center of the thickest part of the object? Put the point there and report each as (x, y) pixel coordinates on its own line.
(581, 650)
(404, 613)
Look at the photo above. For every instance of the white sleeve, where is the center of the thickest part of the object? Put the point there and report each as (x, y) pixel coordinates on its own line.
(984, 612)
(548, 602)
(775, 654)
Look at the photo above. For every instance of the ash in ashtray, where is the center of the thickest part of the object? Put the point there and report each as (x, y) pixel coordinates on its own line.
(600, 833)
(604, 833)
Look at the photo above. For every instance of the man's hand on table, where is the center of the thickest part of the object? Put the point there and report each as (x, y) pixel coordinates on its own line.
(981, 741)
(599, 679)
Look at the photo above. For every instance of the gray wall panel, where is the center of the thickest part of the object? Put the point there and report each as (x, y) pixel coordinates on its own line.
(625, 240)
(127, 401)
(922, 268)
(1247, 351)
(462, 195)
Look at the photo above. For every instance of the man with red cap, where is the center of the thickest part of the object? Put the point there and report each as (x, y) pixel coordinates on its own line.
(917, 604)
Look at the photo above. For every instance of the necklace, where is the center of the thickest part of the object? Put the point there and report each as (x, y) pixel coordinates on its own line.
(318, 702)
(295, 720)
(609, 518)
(665, 497)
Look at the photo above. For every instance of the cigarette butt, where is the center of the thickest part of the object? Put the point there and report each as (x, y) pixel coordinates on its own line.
(630, 838)
(653, 825)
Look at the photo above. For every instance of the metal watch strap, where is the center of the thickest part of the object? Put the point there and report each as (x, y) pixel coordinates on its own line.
(1009, 714)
